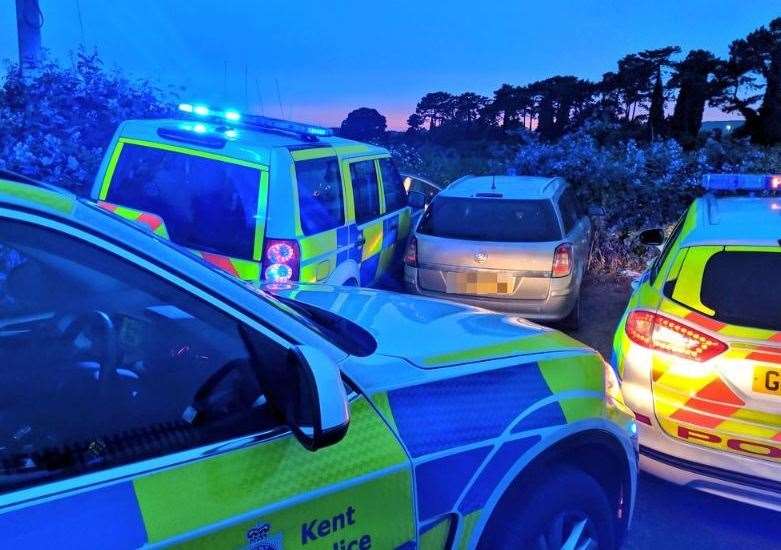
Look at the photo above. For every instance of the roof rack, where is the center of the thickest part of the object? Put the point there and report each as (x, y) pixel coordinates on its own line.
(306, 132)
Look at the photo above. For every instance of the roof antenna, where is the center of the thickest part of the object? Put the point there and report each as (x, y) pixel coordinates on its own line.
(493, 183)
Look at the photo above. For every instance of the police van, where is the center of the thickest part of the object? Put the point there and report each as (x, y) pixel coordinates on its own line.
(699, 346)
(261, 198)
(151, 400)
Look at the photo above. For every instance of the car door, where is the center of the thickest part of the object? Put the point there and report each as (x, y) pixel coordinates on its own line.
(133, 415)
(367, 208)
(397, 218)
(324, 242)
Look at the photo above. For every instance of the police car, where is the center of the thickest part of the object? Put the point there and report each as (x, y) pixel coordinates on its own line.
(150, 399)
(699, 346)
(260, 198)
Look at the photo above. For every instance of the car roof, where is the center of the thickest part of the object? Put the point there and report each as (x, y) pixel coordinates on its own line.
(250, 144)
(510, 187)
(735, 221)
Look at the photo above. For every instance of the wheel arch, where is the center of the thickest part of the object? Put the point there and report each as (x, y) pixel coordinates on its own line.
(597, 452)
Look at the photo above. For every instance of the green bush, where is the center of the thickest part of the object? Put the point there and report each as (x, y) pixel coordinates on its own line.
(56, 122)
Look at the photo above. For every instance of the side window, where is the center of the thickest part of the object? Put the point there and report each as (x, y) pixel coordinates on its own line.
(569, 210)
(392, 186)
(111, 365)
(365, 190)
(319, 194)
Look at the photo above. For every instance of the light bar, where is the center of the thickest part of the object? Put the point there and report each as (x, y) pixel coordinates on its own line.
(742, 182)
(263, 122)
(256, 121)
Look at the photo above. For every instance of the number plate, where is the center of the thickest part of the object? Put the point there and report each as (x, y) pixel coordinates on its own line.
(478, 282)
(767, 380)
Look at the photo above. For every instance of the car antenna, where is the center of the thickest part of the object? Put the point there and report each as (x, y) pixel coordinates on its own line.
(493, 183)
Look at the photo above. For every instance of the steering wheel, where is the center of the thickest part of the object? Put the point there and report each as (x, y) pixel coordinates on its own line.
(94, 332)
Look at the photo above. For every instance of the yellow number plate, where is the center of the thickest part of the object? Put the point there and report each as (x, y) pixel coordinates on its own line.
(767, 380)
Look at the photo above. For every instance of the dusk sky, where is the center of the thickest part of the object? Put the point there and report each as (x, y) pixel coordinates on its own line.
(331, 57)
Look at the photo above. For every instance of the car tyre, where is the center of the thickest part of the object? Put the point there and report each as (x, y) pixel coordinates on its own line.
(566, 509)
(572, 321)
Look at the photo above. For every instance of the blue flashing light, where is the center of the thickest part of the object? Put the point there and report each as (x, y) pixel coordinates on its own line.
(742, 182)
(307, 131)
(231, 115)
(315, 131)
(231, 134)
(199, 128)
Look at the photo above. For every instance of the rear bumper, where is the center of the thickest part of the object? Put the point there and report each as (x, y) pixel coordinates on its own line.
(729, 475)
(733, 475)
(553, 308)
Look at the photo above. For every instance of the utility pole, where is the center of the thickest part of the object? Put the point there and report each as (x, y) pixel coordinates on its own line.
(29, 20)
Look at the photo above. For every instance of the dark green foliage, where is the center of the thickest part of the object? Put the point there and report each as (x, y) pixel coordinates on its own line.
(55, 122)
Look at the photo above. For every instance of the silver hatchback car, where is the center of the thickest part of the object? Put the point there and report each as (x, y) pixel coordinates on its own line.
(507, 243)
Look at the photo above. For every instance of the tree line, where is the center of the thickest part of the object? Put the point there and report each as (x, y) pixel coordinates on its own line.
(636, 95)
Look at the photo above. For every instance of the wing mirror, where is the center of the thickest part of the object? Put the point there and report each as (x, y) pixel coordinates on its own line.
(304, 386)
(318, 411)
(651, 237)
(416, 199)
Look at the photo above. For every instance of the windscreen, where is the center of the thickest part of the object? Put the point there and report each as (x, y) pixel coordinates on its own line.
(206, 204)
(739, 287)
(497, 220)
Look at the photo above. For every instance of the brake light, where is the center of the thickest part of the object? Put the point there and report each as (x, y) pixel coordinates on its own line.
(411, 254)
(655, 331)
(281, 260)
(562, 260)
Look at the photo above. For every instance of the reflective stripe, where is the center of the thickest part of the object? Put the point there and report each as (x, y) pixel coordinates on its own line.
(41, 197)
(535, 342)
(207, 492)
(467, 527)
(152, 221)
(312, 154)
(687, 287)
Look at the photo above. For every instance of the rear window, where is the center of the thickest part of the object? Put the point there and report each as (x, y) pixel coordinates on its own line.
(319, 194)
(738, 287)
(496, 220)
(208, 205)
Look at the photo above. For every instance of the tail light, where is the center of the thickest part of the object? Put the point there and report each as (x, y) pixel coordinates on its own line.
(562, 260)
(655, 331)
(281, 260)
(411, 254)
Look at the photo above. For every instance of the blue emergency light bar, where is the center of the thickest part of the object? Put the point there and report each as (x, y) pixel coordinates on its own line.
(307, 131)
(741, 182)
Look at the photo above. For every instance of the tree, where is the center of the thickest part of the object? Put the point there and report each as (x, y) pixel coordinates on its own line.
(509, 108)
(415, 123)
(656, 111)
(558, 100)
(631, 87)
(364, 124)
(695, 78)
(467, 107)
(436, 107)
(752, 60)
